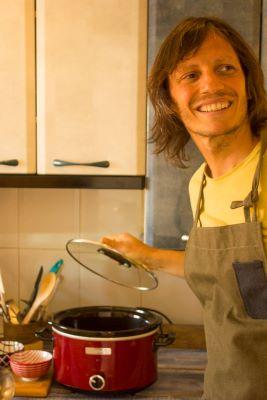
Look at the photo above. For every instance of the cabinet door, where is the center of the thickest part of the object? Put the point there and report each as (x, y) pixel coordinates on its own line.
(91, 79)
(17, 79)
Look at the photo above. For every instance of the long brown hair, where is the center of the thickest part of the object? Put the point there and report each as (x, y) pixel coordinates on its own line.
(168, 132)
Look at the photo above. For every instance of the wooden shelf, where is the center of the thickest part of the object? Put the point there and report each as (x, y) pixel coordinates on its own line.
(72, 181)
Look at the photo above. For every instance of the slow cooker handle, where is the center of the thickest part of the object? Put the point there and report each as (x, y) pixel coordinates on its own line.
(162, 339)
(44, 334)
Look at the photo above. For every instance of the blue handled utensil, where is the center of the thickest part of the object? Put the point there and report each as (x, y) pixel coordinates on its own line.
(56, 267)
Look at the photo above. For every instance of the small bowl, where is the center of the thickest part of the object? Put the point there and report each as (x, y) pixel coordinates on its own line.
(8, 347)
(30, 365)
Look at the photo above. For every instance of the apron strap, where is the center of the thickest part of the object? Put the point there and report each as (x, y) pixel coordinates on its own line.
(252, 198)
(200, 201)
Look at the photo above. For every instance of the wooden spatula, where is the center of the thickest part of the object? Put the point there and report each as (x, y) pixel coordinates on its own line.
(13, 312)
(45, 289)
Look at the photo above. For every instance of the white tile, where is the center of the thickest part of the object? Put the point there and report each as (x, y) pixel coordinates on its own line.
(98, 291)
(105, 212)
(10, 273)
(8, 218)
(67, 294)
(175, 299)
(48, 218)
(108, 211)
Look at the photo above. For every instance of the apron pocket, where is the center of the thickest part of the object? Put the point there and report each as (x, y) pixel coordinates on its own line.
(252, 284)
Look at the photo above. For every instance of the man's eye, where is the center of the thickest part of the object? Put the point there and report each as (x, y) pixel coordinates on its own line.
(226, 68)
(190, 76)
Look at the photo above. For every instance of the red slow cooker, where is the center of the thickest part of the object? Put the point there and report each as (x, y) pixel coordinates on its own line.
(105, 348)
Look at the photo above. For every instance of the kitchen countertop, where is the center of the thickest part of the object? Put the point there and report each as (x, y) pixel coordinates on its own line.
(180, 376)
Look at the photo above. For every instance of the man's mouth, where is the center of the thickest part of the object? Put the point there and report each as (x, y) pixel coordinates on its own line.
(218, 106)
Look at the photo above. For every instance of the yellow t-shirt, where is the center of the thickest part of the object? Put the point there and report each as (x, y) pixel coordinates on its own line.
(234, 185)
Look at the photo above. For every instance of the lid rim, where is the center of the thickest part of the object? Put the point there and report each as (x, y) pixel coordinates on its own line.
(154, 323)
(104, 334)
(128, 261)
(140, 335)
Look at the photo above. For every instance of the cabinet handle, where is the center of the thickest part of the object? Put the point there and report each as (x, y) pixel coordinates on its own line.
(100, 164)
(11, 163)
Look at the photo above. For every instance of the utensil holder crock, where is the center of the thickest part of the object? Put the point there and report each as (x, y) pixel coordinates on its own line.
(22, 333)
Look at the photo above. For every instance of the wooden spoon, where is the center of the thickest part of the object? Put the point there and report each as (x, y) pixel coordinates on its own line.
(43, 307)
(45, 289)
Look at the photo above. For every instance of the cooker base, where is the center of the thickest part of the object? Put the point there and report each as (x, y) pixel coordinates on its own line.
(105, 393)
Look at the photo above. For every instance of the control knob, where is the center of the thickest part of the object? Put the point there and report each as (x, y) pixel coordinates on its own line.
(97, 382)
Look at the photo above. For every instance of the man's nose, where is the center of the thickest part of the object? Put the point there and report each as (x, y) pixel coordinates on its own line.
(211, 82)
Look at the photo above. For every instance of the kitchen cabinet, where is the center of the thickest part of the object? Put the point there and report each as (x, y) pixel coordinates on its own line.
(73, 80)
(91, 85)
(17, 95)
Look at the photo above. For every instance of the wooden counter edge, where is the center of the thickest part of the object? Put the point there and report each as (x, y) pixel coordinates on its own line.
(187, 336)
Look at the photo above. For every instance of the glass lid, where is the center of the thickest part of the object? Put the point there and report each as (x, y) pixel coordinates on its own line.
(111, 265)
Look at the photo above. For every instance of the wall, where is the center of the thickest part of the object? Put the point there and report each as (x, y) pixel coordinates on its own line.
(36, 224)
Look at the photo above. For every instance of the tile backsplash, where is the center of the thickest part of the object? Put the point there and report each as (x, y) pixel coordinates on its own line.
(37, 223)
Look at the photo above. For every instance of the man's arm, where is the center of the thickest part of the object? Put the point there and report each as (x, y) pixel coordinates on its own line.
(169, 261)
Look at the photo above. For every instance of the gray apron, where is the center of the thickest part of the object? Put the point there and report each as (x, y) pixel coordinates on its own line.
(226, 268)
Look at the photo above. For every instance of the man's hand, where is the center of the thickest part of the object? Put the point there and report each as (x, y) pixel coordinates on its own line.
(169, 261)
(130, 246)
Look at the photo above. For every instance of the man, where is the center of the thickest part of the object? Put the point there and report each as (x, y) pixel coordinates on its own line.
(207, 84)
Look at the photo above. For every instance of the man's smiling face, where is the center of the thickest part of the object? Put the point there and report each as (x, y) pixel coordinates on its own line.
(209, 89)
